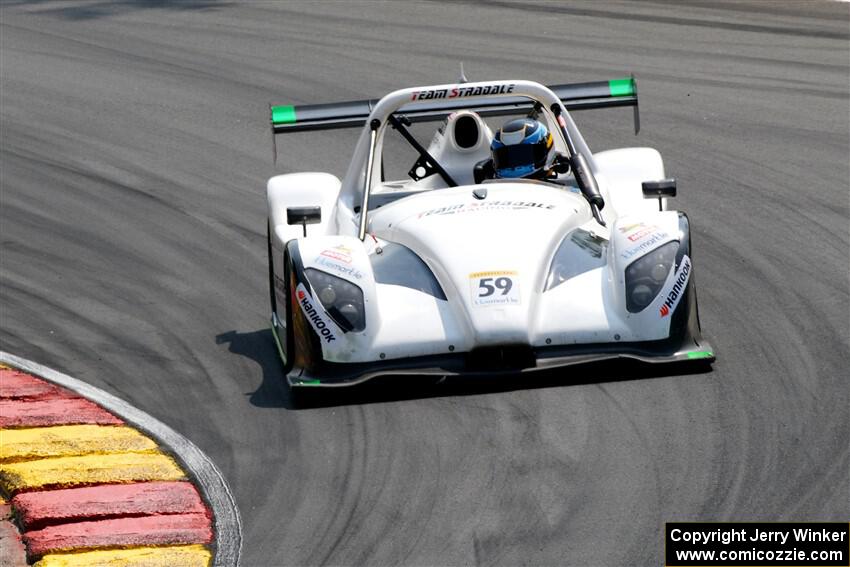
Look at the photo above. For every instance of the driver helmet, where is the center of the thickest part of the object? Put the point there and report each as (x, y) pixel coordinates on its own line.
(521, 149)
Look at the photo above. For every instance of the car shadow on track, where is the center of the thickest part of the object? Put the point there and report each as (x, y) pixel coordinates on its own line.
(272, 392)
(259, 346)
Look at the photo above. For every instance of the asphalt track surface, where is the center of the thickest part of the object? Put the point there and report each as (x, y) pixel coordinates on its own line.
(135, 150)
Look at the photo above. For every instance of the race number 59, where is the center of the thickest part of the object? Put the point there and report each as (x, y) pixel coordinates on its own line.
(494, 288)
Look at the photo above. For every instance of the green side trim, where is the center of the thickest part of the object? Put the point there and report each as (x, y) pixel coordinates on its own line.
(283, 114)
(622, 87)
(700, 354)
(311, 382)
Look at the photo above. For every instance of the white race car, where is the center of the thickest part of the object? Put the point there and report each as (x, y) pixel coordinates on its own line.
(448, 271)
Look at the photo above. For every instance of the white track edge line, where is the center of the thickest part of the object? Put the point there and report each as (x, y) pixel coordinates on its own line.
(228, 526)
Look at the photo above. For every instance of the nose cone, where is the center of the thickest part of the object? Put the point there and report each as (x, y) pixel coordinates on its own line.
(491, 255)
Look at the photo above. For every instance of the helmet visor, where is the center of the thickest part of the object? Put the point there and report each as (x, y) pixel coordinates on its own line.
(520, 156)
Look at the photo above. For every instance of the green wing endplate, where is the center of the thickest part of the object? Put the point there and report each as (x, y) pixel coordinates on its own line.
(354, 113)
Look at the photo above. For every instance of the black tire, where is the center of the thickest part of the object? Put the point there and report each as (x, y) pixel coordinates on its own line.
(301, 397)
(289, 343)
(272, 298)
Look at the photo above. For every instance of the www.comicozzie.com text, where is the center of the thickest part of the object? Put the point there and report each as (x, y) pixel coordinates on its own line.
(743, 534)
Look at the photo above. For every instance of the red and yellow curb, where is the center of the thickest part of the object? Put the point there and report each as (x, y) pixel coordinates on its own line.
(85, 488)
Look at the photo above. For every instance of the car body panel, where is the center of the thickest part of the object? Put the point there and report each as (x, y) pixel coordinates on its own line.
(520, 271)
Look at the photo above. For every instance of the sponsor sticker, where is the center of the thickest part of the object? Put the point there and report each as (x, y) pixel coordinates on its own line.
(680, 282)
(630, 227)
(340, 253)
(485, 206)
(336, 266)
(460, 91)
(320, 322)
(645, 243)
(635, 232)
(641, 233)
(494, 288)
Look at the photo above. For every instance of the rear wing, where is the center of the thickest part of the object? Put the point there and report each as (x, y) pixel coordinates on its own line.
(353, 114)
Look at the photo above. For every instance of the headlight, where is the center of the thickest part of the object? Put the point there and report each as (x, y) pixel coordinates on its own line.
(341, 299)
(645, 276)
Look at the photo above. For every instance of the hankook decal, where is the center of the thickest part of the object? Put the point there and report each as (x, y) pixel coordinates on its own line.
(318, 320)
(677, 291)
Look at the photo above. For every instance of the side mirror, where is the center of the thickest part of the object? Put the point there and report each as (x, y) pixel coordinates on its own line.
(303, 216)
(659, 189)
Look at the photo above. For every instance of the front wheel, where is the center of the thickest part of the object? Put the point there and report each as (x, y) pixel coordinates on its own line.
(272, 298)
(282, 332)
(301, 397)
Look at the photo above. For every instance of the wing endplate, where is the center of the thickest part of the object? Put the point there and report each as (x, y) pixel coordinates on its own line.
(353, 114)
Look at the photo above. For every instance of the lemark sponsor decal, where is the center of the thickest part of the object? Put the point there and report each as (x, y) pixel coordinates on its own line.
(320, 322)
(645, 244)
(340, 253)
(494, 288)
(680, 281)
(477, 206)
(641, 233)
(336, 266)
(637, 231)
(460, 91)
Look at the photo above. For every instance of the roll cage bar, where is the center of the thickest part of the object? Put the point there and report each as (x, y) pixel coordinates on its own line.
(400, 123)
(403, 107)
(394, 108)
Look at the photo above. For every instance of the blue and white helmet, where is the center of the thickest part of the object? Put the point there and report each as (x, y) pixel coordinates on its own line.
(521, 148)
